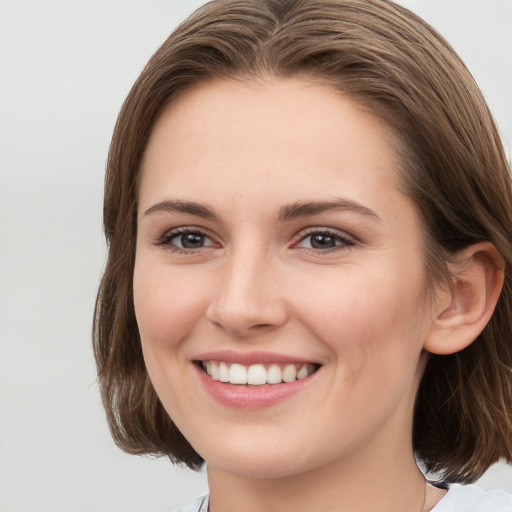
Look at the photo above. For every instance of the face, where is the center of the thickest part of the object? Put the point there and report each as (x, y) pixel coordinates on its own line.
(279, 283)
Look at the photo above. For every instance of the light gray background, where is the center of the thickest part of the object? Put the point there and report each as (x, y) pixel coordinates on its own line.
(65, 68)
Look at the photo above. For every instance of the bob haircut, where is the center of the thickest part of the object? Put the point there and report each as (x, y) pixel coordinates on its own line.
(453, 166)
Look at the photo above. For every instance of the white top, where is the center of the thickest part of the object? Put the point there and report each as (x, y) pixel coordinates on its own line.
(199, 505)
(459, 498)
(470, 498)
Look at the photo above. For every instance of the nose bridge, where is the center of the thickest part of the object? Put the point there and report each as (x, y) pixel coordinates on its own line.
(247, 299)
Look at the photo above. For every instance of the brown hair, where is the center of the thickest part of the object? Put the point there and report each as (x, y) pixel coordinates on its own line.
(454, 168)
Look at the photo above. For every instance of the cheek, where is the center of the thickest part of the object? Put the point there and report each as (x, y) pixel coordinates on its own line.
(167, 309)
(167, 305)
(369, 319)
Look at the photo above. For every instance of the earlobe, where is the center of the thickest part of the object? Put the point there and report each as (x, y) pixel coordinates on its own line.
(464, 309)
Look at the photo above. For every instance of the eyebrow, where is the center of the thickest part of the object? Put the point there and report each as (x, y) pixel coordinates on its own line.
(305, 209)
(182, 207)
(287, 212)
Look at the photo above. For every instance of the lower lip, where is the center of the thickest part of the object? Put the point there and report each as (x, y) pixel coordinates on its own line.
(244, 397)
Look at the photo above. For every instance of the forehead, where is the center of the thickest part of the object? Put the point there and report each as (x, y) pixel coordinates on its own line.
(240, 132)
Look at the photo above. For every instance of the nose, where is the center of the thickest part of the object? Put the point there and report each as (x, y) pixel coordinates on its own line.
(249, 300)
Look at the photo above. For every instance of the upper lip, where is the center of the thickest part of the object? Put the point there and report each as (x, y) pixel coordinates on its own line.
(249, 358)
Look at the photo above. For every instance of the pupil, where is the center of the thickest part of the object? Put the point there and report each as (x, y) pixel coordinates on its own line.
(191, 241)
(322, 241)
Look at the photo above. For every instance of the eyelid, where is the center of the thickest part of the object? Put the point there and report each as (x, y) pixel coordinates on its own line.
(169, 235)
(165, 240)
(346, 239)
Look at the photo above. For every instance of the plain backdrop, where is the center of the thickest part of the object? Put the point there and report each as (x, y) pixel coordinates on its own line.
(65, 68)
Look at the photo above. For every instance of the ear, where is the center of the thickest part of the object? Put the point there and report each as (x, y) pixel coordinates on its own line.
(462, 311)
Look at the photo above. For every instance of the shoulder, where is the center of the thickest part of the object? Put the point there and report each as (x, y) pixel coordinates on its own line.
(470, 498)
(199, 505)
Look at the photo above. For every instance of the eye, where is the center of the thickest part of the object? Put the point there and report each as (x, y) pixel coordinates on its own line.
(324, 240)
(186, 240)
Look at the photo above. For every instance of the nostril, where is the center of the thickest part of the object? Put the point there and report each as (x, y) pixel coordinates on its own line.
(245, 316)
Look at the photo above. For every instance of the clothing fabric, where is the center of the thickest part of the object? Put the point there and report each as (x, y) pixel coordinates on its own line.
(459, 498)
(470, 498)
(199, 505)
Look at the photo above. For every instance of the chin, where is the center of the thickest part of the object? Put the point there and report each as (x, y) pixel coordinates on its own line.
(260, 460)
(258, 469)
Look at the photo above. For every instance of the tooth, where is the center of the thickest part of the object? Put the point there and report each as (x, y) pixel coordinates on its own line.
(237, 374)
(274, 375)
(223, 372)
(256, 375)
(214, 368)
(289, 373)
(303, 372)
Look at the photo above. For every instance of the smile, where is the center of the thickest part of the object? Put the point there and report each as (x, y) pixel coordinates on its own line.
(257, 374)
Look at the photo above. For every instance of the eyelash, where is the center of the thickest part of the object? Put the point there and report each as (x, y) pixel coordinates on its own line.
(341, 241)
(167, 239)
(344, 241)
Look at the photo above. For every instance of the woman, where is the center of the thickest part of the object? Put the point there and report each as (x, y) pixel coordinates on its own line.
(308, 211)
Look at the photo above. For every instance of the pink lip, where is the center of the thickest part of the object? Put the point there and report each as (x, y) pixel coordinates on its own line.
(248, 358)
(246, 397)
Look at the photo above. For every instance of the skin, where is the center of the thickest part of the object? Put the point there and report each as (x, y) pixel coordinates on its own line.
(360, 309)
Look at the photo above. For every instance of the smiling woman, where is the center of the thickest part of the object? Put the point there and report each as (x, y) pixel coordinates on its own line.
(278, 284)
(308, 211)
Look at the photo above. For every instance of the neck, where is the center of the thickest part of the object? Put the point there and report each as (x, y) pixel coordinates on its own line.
(390, 484)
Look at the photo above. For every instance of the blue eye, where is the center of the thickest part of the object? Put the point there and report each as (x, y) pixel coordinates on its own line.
(323, 240)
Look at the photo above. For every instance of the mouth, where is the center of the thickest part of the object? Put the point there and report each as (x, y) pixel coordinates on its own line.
(259, 374)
